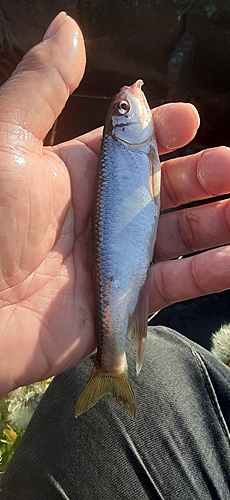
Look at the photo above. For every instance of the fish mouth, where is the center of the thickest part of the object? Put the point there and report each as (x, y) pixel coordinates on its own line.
(135, 87)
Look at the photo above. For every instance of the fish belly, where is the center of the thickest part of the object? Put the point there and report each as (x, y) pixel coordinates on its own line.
(126, 215)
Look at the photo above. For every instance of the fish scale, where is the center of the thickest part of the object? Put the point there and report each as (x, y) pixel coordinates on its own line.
(124, 221)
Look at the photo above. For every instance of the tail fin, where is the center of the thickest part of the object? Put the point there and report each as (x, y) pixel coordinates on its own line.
(101, 383)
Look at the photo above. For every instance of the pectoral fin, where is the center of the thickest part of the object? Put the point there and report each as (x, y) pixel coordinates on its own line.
(155, 178)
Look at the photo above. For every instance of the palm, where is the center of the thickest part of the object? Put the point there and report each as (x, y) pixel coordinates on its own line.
(46, 297)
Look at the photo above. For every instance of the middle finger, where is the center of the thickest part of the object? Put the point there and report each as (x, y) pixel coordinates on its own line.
(196, 177)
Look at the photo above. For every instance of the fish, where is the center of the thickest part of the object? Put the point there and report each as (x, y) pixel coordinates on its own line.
(124, 228)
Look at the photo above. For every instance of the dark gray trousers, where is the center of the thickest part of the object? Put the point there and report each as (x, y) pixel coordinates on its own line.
(177, 448)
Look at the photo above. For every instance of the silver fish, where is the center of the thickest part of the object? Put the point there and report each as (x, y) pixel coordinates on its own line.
(124, 232)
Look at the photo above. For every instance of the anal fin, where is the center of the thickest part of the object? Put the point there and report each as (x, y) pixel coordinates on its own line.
(138, 325)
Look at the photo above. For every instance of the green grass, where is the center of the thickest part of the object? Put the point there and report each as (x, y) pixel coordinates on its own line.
(16, 410)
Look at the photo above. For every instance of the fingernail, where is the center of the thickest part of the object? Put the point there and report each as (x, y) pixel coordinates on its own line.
(55, 25)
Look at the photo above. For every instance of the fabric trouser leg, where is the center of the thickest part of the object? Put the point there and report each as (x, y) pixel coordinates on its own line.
(176, 448)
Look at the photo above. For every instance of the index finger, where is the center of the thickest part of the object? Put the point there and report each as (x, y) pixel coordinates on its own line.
(176, 125)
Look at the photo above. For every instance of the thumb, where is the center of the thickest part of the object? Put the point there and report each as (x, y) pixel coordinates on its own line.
(38, 89)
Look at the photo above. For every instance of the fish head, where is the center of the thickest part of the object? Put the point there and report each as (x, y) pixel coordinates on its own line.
(129, 118)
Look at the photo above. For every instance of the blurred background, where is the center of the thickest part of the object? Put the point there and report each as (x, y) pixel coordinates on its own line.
(180, 48)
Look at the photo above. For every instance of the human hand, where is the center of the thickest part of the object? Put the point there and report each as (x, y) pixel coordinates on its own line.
(201, 176)
(46, 289)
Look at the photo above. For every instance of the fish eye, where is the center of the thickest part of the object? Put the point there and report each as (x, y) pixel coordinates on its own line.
(123, 107)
